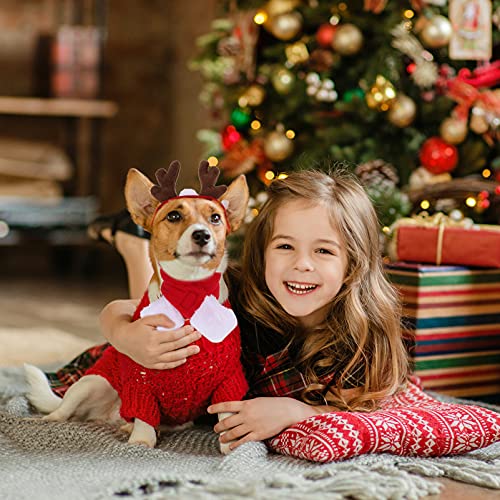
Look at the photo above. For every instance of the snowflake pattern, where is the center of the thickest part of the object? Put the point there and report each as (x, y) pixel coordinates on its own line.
(410, 424)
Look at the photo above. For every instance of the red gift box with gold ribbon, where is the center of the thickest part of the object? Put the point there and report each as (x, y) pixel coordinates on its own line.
(439, 240)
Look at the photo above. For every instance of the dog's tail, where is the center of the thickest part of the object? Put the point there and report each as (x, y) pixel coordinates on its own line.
(40, 394)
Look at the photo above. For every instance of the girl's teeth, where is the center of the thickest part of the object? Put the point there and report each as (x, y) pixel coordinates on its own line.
(300, 289)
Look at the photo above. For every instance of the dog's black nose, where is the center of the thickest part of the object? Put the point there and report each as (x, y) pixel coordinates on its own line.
(201, 237)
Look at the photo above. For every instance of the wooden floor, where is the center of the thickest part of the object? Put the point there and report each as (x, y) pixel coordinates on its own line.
(69, 304)
(73, 304)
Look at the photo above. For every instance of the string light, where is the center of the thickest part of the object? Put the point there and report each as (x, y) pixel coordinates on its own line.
(4, 229)
(486, 173)
(213, 161)
(255, 125)
(424, 204)
(342, 6)
(260, 17)
(269, 175)
(290, 134)
(282, 176)
(471, 202)
(386, 230)
(408, 13)
(390, 93)
(255, 212)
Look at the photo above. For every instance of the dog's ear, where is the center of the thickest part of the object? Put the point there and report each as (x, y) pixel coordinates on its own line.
(237, 198)
(140, 202)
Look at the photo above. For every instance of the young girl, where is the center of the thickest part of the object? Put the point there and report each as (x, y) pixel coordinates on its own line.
(320, 325)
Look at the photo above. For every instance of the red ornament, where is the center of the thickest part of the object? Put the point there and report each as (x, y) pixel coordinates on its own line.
(230, 136)
(437, 156)
(411, 68)
(325, 34)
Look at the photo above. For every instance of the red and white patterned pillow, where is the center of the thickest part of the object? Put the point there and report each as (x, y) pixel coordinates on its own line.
(412, 424)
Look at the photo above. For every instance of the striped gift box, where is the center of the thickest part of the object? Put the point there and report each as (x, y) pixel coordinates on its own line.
(452, 316)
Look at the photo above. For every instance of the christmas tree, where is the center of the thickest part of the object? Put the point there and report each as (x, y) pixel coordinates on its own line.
(404, 93)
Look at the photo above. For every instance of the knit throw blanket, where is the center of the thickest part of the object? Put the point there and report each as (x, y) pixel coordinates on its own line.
(54, 461)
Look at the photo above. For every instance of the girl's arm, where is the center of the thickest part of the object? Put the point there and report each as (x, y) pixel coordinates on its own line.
(262, 418)
(141, 341)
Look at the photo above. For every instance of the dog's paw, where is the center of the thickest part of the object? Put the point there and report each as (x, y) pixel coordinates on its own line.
(143, 434)
(54, 417)
(143, 441)
(224, 448)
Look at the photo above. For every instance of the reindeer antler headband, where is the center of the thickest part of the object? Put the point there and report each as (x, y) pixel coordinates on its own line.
(166, 189)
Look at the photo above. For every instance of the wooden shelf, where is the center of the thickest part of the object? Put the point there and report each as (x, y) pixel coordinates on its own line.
(54, 237)
(57, 107)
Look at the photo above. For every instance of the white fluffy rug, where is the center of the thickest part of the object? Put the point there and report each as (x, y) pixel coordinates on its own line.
(43, 346)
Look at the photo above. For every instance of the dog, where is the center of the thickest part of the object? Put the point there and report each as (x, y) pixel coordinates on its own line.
(188, 254)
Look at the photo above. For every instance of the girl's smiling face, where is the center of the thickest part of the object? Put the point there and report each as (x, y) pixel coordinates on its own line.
(305, 261)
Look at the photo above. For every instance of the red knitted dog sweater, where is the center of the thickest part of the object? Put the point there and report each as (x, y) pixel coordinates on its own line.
(183, 393)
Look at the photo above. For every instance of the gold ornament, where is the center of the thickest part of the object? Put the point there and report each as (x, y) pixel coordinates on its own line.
(277, 7)
(285, 26)
(453, 130)
(381, 95)
(402, 111)
(252, 96)
(347, 40)
(297, 53)
(478, 122)
(421, 177)
(436, 32)
(277, 146)
(283, 81)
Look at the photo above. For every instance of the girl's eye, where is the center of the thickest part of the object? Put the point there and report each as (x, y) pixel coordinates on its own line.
(284, 246)
(215, 219)
(174, 216)
(325, 251)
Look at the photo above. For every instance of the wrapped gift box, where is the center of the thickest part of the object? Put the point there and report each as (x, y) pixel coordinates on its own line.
(440, 240)
(452, 320)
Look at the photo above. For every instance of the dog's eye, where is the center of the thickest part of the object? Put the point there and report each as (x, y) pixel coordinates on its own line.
(215, 219)
(174, 216)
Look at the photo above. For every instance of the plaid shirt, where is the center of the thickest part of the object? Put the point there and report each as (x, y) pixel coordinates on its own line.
(61, 380)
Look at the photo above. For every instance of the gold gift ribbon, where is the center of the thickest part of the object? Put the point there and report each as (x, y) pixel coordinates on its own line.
(423, 219)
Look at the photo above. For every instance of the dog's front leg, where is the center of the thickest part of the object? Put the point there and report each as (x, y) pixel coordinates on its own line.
(224, 447)
(143, 433)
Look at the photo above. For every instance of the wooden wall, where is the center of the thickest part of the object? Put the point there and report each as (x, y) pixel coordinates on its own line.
(147, 49)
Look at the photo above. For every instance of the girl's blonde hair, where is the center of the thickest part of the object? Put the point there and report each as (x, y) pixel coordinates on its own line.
(360, 340)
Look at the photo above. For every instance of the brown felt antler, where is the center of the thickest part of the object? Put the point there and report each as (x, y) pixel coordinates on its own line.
(208, 177)
(167, 180)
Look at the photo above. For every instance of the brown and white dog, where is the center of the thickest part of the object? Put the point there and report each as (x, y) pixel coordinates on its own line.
(187, 250)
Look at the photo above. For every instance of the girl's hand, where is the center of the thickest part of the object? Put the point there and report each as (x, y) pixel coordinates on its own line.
(158, 350)
(142, 342)
(258, 419)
